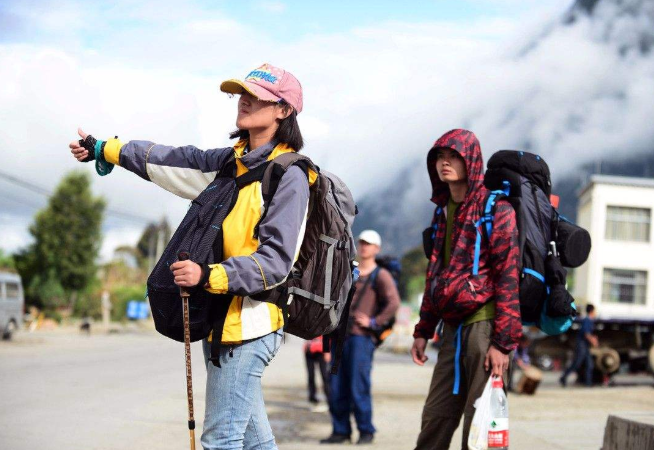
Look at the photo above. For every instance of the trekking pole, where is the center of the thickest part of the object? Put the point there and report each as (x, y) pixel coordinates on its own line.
(183, 256)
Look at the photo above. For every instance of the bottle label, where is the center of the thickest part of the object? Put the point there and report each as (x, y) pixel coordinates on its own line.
(498, 433)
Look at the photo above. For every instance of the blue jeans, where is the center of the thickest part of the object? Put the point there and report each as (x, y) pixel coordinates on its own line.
(235, 416)
(582, 355)
(350, 387)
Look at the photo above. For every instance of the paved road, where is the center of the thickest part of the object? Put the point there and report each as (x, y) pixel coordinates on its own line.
(63, 391)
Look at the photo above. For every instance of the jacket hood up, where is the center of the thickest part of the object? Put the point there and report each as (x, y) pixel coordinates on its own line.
(467, 145)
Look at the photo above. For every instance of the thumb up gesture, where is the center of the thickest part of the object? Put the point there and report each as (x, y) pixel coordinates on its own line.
(77, 148)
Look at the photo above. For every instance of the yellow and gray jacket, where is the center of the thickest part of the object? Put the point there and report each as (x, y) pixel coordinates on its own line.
(249, 265)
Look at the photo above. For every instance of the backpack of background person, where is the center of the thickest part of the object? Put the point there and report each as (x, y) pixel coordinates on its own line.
(320, 285)
(546, 241)
(394, 267)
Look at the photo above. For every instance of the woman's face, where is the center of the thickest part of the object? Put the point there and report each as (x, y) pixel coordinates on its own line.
(255, 114)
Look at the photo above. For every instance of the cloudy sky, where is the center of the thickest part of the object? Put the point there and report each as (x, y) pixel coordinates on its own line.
(381, 81)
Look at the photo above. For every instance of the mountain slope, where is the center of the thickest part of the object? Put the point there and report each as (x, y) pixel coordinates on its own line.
(579, 93)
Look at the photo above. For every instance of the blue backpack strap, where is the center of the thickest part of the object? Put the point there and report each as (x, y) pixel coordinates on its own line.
(434, 227)
(457, 360)
(486, 220)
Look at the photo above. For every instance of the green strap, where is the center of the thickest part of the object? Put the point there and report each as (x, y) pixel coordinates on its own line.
(102, 167)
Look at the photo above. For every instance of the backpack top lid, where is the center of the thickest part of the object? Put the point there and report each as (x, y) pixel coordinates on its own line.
(341, 195)
(392, 264)
(510, 165)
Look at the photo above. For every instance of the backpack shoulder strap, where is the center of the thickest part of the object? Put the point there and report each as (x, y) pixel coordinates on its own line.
(278, 168)
(273, 174)
(434, 226)
(484, 225)
(374, 276)
(228, 170)
(429, 233)
(249, 177)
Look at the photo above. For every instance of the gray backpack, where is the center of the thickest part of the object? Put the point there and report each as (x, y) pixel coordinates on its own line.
(315, 298)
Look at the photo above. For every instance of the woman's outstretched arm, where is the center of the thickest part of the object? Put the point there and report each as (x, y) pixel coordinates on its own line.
(185, 171)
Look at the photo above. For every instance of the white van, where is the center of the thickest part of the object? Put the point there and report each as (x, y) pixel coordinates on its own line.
(12, 304)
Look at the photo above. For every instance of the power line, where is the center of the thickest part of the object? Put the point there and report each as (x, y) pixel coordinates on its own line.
(25, 184)
(45, 192)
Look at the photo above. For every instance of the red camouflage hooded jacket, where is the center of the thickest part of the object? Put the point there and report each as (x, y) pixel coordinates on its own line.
(454, 293)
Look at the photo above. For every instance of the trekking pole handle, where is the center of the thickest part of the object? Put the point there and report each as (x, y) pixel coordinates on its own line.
(183, 256)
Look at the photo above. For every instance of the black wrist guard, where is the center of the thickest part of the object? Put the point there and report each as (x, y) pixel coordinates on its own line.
(206, 272)
(89, 145)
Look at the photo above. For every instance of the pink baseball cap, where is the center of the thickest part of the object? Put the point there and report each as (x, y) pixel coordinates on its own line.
(270, 84)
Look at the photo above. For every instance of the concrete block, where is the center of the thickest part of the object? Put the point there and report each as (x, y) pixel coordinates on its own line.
(629, 431)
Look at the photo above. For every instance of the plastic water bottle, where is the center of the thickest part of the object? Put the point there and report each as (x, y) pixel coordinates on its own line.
(498, 431)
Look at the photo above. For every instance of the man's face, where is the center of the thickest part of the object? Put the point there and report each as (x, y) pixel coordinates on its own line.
(366, 250)
(450, 166)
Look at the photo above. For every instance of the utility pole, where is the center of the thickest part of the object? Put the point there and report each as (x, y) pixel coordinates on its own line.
(152, 242)
(160, 238)
(106, 310)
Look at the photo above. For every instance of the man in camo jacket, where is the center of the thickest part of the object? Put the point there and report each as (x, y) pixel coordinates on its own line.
(481, 313)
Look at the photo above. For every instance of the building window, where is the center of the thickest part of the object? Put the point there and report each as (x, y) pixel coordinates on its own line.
(624, 286)
(627, 224)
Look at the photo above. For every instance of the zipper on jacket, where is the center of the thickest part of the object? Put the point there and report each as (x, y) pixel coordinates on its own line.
(231, 351)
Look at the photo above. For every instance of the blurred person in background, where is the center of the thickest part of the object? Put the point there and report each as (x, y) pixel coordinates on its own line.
(375, 303)
(521, 359)
(585, 340)
(314, 357)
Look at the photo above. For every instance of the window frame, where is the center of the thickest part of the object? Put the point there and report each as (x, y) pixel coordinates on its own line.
(637, 300)
(619, 222)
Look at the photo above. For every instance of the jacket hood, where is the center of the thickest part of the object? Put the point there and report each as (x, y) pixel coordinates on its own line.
(467, 145)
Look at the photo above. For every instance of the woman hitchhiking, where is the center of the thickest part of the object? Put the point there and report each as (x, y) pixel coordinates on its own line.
(270, 100)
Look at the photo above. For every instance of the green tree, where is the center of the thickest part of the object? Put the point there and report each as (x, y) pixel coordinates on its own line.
(47, 289)
(67, 238)
(6, 261)
(412, 280)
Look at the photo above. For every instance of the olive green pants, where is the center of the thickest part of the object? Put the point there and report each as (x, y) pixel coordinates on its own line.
(443, 410)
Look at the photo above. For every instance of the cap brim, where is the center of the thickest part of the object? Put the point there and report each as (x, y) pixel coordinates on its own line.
(238, 87)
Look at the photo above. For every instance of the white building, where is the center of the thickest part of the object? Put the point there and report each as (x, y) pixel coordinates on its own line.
(618, 277)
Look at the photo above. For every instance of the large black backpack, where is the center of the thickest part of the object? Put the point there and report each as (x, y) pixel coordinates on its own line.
(546, 240)
(315, 294)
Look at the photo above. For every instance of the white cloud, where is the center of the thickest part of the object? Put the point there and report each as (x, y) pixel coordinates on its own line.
(375, 97)
(116, 237)
(270, 6)
(13, 233)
